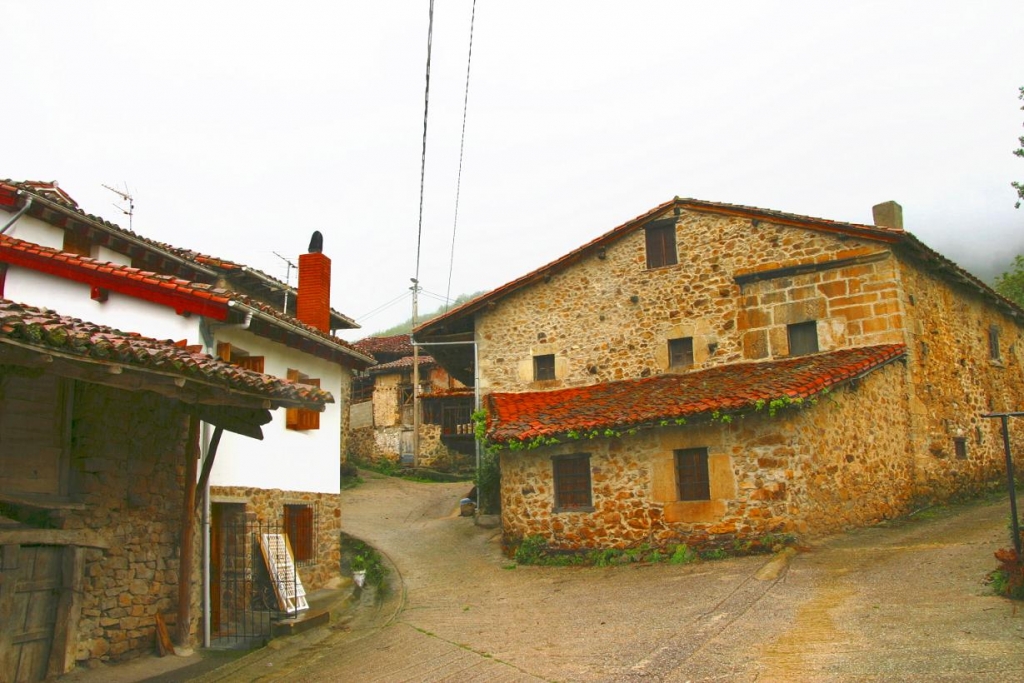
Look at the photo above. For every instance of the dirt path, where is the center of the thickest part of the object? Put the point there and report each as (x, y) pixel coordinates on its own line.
(905, 602)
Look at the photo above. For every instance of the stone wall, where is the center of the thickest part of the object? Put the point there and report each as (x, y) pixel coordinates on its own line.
(267, 506)
(611, 318)
(128, 467)
(838, 464)
(955, 381)
(383, 444)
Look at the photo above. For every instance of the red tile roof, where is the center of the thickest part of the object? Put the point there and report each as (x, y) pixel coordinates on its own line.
(49, 332)
(181, 295)
(400, 364)
(48, 194)
(396, 344)
(649, 401)
(885, 235)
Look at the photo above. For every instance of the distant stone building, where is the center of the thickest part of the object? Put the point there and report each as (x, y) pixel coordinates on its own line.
(706, 373)
(382, 418)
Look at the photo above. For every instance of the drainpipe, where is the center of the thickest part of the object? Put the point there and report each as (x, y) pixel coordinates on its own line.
(15, 217)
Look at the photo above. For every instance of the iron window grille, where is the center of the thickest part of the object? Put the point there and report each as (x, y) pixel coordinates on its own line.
(693, 480)
(572, 482)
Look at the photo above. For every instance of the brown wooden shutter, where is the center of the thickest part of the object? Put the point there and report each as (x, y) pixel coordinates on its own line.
(254, 363)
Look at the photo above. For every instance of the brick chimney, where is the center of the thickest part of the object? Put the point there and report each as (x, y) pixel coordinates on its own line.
(313, 305)
(888, 215)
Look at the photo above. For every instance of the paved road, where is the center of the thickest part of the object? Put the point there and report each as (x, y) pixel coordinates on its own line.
(905, 602)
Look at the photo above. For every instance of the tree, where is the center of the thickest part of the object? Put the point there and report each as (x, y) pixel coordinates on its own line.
(1019, 152)
(1011, 283)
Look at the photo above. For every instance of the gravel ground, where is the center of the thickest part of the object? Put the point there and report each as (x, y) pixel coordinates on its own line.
(905, 601)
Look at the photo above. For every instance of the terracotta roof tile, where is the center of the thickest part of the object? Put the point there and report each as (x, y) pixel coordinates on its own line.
(648, 401)
(396, 344)
(204, 294)
(47, 330)
(400, 364)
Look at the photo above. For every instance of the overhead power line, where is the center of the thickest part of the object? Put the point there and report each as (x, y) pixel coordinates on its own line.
(462, 146)
(423, 156)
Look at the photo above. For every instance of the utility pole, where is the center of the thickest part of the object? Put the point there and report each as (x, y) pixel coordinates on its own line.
(1004, 418)
(415, 377)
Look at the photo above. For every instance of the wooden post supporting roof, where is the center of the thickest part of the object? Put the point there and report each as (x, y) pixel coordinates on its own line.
(187, 525)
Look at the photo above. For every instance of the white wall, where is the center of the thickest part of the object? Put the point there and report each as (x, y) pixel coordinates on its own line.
(33, 230)
(286, 459)
(119, 311)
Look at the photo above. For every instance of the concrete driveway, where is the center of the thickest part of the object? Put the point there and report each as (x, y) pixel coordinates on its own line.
(902, 602)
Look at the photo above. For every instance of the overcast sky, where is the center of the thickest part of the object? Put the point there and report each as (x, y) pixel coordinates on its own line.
(239, 128)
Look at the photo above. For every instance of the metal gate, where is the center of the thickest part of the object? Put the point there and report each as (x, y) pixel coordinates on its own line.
(244, 600)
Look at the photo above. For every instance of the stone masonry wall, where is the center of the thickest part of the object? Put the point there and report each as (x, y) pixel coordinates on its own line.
(610, 318)
(383, 444)
(955, 382)
(841, 463)
(128, 467)
(267, 506)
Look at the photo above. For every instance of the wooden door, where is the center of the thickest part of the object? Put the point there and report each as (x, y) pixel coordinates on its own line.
(32, 618)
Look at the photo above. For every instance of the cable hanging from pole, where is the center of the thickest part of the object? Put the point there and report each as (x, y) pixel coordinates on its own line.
(423, 156)
(462, 146)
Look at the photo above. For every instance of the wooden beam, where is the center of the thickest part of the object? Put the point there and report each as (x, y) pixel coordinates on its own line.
(32, 536)
(187, 524)
(211, 455)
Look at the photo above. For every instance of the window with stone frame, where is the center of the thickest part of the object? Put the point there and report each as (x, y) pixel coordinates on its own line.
(544, 367)
(803, 338)
(300, 526)
(993, 342)
(301, 419)
(660, 238)
(680, 352)
(693, 478)
(572, 482)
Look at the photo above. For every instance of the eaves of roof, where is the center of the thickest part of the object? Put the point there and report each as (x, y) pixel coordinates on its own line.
(401, 364)
(666, 400)
(885, 235)
(38, 337)
(190, 261)
(181, 295)
(394, 344)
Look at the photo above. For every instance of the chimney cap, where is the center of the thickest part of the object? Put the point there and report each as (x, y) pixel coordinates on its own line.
(316, 243)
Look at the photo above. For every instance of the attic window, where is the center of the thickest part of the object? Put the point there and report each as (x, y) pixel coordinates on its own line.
(680, 352)
(301, 419)
(661, 243)
(544, 367)
(803, 338)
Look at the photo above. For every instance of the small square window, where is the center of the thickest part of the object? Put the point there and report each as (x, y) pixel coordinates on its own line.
(680, 352)
(572, 481)
(803, 338)
(993, 342)
(693, 479)
(544, 367)
(661, 243)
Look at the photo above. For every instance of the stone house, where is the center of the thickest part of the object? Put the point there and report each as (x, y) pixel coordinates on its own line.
(382, 418)
(53, 254)
(707, 373)
(99, 445)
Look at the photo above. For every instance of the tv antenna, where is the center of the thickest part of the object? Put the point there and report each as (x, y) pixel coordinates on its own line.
(287, 277)
(126, 196)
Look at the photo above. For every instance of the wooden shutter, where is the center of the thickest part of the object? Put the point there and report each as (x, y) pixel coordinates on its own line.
(298, 524)
(254, 363)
